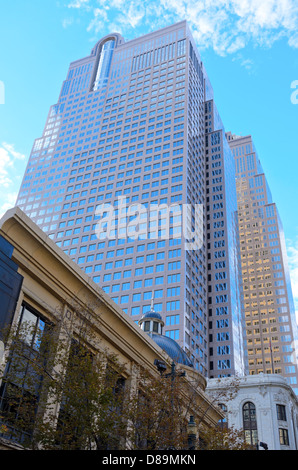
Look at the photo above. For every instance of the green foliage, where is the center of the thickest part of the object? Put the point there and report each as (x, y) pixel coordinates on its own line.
(59, 392)
(56, 396)
(157, 414)
(222, 438)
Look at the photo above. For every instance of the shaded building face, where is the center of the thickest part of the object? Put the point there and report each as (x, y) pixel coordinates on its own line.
(10, 286)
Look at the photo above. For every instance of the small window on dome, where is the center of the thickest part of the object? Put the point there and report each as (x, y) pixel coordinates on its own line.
(155, 327)
(147, 326)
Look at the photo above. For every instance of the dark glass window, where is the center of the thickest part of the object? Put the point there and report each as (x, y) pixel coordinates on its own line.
(250, 423)
(281, 412)
(283, 437)
(20, 387)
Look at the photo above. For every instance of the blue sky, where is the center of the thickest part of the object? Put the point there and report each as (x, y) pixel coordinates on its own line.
(249, 48)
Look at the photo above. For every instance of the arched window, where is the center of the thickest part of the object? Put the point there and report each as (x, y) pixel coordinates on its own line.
(104, 63)
(250, 423)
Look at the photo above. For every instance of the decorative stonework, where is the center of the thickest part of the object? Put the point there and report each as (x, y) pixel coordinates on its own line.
(280, 397)
(263, 390)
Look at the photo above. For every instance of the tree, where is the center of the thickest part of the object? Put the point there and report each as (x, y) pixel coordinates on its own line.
(57, 391)
(61, 389)
(161, 410)
(157, 416)
(222, 438)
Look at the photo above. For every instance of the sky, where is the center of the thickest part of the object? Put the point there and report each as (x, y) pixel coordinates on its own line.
(249, 49)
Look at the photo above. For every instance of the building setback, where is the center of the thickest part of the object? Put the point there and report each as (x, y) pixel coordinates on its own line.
(271, 328)
(225, 308)
(127, 139)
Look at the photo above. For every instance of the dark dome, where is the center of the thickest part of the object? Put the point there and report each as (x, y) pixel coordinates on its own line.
(172, 349)
(152, 314)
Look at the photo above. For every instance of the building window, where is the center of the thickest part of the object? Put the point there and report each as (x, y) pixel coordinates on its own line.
(104, 63)
(281, 412)
(174, 334)
(19, 392)
(283, 437)
(250, 423)
(223, 422)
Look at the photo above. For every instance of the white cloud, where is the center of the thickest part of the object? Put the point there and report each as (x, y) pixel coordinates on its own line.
(79, 4)
(14, 154)
(227, 26)
(134, 15)
(7, 202)
(98, 22)
(293, 41)
(11, 167)
(67, 22)
(8, 157)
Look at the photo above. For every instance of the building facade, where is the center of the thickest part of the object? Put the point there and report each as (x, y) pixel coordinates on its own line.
(54, 290)
(271, 328)
(119, 178)
(264, 407)
(225, 303)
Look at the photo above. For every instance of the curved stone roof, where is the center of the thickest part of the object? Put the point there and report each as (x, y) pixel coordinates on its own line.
(172, 349)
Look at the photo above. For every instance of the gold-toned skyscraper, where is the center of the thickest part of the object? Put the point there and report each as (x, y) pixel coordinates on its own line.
(271, 329)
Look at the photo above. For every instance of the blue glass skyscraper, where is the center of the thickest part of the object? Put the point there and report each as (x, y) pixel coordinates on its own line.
(135, 133)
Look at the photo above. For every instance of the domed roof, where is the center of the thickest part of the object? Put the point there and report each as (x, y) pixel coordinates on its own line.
(172, 349)
(166, 343)
(152, 314)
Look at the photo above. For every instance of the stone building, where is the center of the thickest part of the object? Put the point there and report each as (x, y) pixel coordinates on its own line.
(38, 281)
(264, 406)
